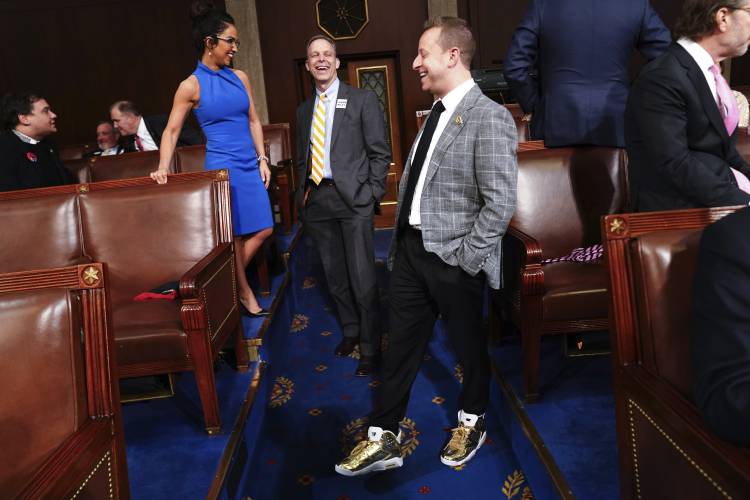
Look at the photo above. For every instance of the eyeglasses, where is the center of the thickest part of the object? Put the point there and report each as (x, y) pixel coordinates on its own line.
(230, 41)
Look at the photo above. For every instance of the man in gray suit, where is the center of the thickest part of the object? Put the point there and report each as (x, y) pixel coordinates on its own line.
(456, 197)
(343, 157)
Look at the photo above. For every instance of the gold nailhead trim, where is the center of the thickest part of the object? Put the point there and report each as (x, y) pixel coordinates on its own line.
(677, 447)
(106, 457)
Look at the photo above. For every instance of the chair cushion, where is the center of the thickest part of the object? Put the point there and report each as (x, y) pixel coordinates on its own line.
(575, 290)
(149, 332)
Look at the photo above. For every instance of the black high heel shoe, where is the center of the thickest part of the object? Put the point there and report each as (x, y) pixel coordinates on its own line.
(246, 312)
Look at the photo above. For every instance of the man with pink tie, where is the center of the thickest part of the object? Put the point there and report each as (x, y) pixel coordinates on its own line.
(681, 118)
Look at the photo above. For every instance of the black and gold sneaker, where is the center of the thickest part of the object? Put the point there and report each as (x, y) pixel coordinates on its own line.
(465, 440)
(380, 451)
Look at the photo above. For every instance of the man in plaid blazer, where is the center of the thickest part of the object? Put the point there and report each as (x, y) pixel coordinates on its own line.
(456, 197)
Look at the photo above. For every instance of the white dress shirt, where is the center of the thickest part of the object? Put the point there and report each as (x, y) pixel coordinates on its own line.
(450, 102)
(24, 137)
(704, 61)
(148, 142)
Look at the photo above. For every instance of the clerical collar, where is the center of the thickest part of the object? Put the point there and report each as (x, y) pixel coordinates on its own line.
(25, 138)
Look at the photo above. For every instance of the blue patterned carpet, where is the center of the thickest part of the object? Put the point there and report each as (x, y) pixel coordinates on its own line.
(317, 408)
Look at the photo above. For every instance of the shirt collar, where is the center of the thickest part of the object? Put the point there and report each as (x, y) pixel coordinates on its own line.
(25, 138)
(142, 130)
(333, 89)
(452, 98)
(701, 56)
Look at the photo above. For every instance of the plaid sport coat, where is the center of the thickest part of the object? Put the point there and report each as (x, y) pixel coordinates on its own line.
(469, 192)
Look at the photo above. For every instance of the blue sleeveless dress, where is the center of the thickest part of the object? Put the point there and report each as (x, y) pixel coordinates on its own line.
(224, 115)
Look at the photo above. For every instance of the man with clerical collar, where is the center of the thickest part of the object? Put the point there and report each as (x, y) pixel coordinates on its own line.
(27, 159)
(107, 140)
(143, 133)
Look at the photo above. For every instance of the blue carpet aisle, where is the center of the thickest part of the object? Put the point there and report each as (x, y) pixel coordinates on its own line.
(316, 406)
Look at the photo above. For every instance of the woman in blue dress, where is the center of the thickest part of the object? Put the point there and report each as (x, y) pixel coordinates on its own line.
(221, 100)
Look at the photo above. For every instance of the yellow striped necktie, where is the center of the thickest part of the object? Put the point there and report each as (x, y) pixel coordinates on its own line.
(318, 140)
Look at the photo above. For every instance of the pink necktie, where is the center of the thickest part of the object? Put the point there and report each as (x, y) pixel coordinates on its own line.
(730, 113)
(138, 143)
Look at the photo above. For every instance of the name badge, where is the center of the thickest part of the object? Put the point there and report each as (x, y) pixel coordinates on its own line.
(340, 103)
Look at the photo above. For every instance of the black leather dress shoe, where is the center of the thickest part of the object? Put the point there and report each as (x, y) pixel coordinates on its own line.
(346, 346)
(366, 366)
(246, 312)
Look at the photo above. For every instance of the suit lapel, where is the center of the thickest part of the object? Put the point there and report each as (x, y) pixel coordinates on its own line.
(695, 74)
(451, 131)
(338, 113)
(307, 115)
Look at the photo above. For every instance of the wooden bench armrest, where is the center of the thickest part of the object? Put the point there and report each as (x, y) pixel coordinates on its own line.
(528, 253)
(199, 276)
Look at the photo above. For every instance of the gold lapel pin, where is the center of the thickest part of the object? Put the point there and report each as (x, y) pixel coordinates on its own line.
(459, 120)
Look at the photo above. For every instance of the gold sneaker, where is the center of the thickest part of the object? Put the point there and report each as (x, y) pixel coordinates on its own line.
(465, 440)
(380, 451)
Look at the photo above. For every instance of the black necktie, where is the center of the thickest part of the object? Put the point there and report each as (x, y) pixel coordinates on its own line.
(416, 164)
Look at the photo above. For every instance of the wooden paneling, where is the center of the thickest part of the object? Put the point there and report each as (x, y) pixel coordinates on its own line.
(286, 25)
(83, 55)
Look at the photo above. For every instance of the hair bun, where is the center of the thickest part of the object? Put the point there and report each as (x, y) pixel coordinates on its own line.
(200, 8)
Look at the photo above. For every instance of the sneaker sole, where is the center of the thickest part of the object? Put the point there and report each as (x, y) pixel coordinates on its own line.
(451, 463)
(381, 465)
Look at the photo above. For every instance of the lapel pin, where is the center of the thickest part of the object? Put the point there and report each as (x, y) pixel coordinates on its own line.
(459, 120)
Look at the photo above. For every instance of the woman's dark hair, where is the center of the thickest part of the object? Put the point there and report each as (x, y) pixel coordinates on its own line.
(207, 22)
(697, 18)
(13, 105)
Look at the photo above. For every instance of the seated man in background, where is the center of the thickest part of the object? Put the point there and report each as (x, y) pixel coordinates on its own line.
(107, 140)
(721, 332)
(27, 159)
(681, 117)
(143, 133)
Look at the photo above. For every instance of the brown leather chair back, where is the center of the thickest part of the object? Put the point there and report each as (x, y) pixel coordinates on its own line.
(45, 232)
(190, 158)
(74, 151)
(663, 270)
(149, 234)
(80, 168)
(279, 141)
(562, 193)
(43, 384)
(125, 166)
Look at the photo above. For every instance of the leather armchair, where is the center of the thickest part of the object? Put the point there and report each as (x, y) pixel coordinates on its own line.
(148, 235)
(62, 430)
(280, 153)
(561, 194)
(651, 259)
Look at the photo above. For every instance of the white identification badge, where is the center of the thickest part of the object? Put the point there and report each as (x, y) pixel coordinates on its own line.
(340, 103)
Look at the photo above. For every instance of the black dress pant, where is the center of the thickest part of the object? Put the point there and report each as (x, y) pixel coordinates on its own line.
(421, 287)
(344, 238)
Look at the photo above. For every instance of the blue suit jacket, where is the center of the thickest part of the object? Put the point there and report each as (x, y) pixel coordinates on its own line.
(580, 50)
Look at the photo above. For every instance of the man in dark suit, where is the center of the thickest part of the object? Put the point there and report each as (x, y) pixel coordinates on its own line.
(568, 66)
(680, 124)
(342, 160)
(107, 141)
(27, 159)
(721, 332)
(143, 133)
(455, 200)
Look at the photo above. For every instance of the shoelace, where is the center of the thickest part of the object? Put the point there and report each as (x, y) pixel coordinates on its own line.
(460, 435)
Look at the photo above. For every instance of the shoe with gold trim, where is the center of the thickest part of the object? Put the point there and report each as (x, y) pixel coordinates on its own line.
(465, 440)
(380, 451)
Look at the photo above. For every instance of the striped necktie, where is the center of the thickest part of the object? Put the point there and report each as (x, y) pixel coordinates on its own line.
(318, 140)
